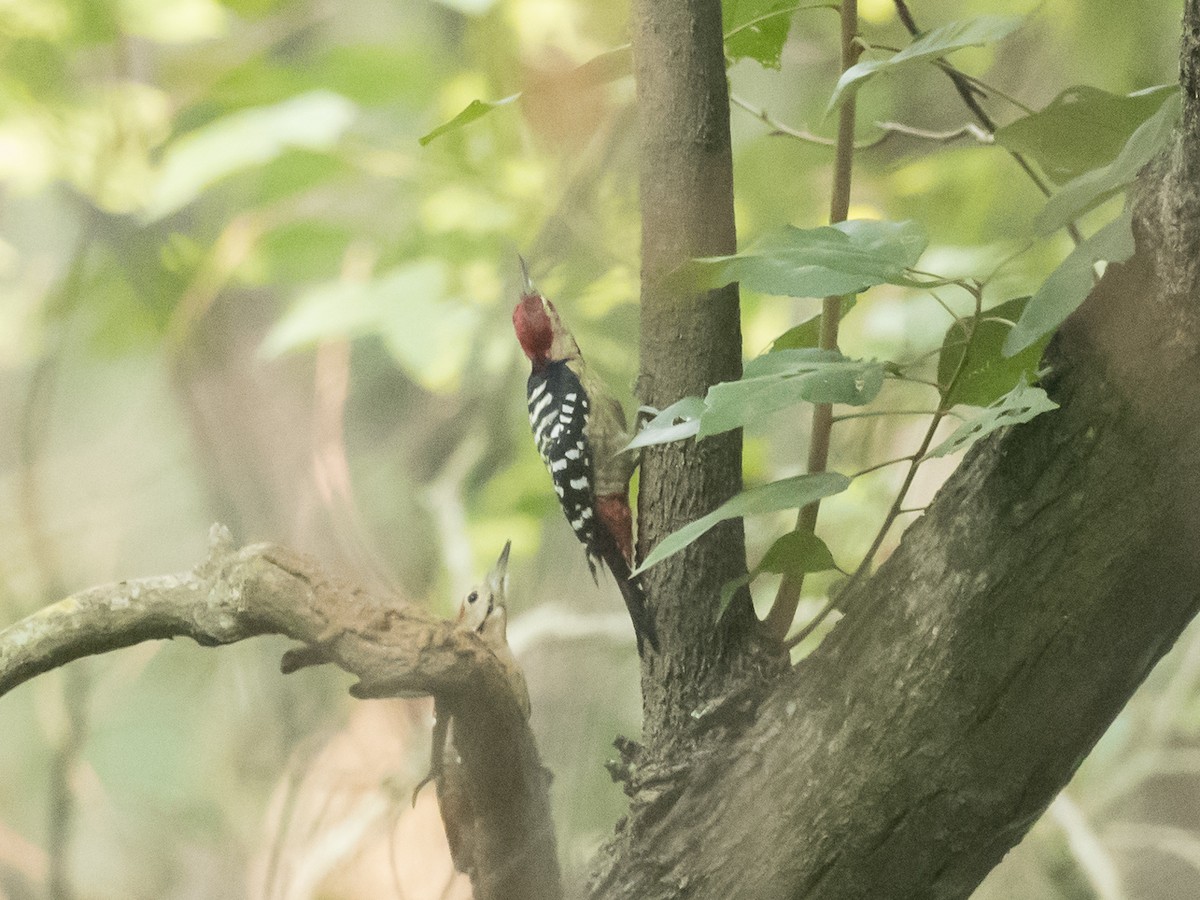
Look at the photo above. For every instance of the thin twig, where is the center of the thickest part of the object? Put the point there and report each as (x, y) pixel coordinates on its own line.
(883, 412)
(898, 504)
(923, 381)
(783, 610)
(942, 137)
(775, 13)
(883, 465)
(918, 457)
(967, 89)
(799, 134)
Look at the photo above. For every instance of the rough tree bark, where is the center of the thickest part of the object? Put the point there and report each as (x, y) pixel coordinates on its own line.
(975, 670)
(688, 342)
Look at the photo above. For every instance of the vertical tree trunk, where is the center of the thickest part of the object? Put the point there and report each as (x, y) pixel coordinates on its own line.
(688, 342)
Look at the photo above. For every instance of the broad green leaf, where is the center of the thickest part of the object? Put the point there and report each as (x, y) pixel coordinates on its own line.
(245, 139)
(931, 45)
(1055, 136)
(1070, 283)
(677, 422)
(474, 110)
(808, 332)
(775, 381)
(987, 373)
(1092, 188)
(758, 29)
(796, 553)
(789, 493)
(1019, 405)
(814, 262)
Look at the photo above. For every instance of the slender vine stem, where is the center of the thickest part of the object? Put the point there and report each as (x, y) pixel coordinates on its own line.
(883, 412)
(886, 130)
(915, 461)
(799, 134)
(783, 610)
(883, 465)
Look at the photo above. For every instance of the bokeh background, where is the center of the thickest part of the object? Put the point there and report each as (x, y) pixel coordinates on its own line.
(234, 287)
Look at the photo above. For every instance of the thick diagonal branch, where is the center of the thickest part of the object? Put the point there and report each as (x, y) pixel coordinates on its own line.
(973, 673)
(495, 798)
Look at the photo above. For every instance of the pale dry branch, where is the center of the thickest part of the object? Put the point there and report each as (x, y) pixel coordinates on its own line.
(494, 792)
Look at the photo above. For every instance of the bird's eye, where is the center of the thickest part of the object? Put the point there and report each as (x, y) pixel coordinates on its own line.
(473, 596)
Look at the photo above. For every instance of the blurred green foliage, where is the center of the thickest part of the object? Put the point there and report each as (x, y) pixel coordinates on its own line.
(234, 286)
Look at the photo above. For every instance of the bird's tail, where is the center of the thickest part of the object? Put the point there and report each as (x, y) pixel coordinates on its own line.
(635, 598)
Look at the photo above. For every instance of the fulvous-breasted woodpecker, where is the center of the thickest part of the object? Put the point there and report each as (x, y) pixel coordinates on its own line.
(580, 431)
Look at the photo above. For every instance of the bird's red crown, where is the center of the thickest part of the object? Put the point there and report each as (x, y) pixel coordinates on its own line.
(535, 331)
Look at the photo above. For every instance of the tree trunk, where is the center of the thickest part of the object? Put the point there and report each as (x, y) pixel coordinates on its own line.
(975, 671)
(688, 342)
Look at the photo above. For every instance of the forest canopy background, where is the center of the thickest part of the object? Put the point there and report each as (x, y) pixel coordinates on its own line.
(235, 286)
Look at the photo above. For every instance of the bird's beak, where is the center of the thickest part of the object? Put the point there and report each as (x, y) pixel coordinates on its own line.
(499, 570)
(526, 282)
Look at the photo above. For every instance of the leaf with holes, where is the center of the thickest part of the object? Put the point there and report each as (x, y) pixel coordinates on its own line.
(678, 422)
(1019, 405)
(788, 493)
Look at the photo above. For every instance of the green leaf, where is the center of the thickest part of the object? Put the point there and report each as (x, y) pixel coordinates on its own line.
(1092, 188)
(775, 381)
(808, 332)
(1070, 283)
(796, 553)
(1052, 136)
(987, 373)
(245, 139)
(758, 29)
(677, 422)
(790, 493)
(474, 110)
(931, 45)
(1019, 405)
(814, 262)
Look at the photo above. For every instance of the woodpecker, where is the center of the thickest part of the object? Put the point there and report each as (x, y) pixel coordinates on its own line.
(580, 431)
(484, 611)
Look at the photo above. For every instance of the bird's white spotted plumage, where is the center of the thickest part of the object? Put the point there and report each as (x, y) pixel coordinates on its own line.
(558, 413)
